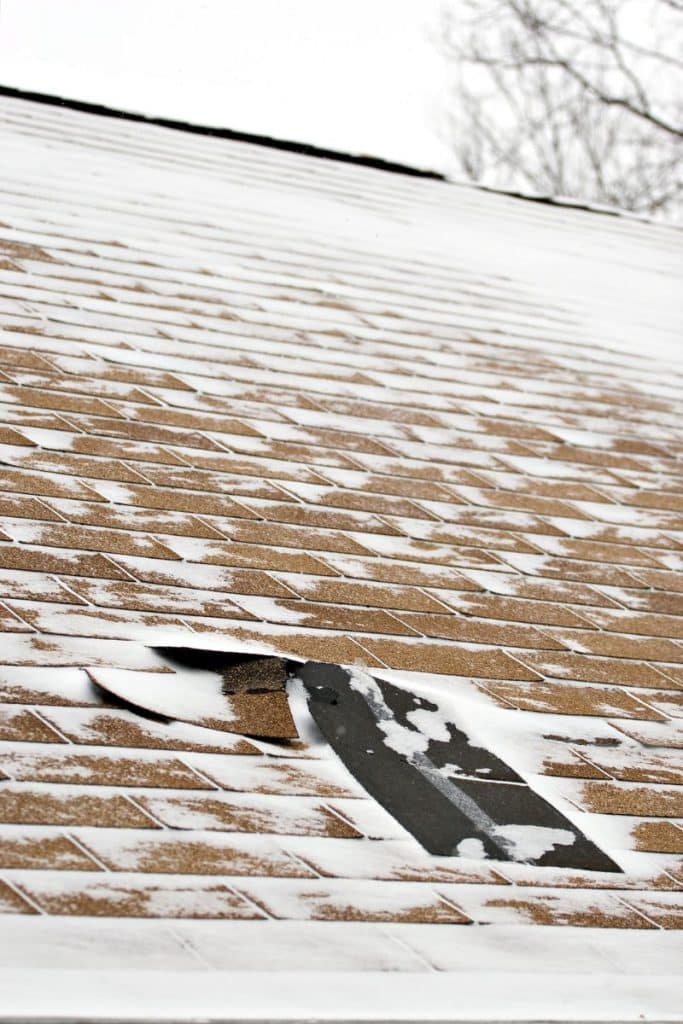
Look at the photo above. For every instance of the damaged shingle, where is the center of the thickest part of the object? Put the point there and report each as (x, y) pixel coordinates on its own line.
(255, 675)
(455, 797)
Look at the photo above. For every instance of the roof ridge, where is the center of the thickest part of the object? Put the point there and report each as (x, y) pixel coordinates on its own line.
(268, 141)
(319, 152)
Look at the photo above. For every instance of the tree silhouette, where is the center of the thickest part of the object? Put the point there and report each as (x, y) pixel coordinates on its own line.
(577, 98)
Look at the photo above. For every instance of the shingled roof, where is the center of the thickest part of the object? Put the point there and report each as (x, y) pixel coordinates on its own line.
(257, 401)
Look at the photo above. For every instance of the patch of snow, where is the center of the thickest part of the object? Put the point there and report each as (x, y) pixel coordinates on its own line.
(190, 694)
(528, 842)
(473, 848)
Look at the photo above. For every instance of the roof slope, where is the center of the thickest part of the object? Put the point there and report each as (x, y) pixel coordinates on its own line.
(309, 408)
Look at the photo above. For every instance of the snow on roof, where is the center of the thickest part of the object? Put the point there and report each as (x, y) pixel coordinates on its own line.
(255, 401)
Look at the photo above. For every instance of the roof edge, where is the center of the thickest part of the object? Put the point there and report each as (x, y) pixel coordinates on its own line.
(268, 141)
(321, 153)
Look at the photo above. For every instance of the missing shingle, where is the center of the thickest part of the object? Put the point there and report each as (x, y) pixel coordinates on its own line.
(455, 797)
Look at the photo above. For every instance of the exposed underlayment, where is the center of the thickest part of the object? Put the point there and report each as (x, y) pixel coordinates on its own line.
(454, 796)
(260, 410)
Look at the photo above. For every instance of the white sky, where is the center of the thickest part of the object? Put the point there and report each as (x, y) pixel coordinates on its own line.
(355, 75)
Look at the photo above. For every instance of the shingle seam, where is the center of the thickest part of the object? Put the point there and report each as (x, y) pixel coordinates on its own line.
(146, 813)
(25, 898)
(35, 710)
(88, 852)
(624, 901)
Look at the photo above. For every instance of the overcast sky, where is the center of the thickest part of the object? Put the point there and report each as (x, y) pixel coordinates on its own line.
(356, 75)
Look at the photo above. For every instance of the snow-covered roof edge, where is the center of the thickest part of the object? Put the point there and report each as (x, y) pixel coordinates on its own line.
(318, 152)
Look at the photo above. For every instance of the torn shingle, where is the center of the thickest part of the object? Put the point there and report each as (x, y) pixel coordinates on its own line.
(430, 776)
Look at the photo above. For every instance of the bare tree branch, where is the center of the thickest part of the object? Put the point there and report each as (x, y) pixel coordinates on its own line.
(570, 96)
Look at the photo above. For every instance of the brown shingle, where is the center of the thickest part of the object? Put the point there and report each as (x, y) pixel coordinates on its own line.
(70, 620)
(315, 646)
(220, 483)
(114, 728)
(597, 551)
(69, 766)
(379, 504)
(65, 563)
(24, 507)
(316, 616)
(464, 536)
(198, 503)
(146, 432)
(81, 466)
(663, 909)
(615, 671)
(22, 481)
(25, 804)
(132, 451)
(11, 436)
(253, 556)
(472, 631)
(669, 625)
(65, 535)
(514, 585)
(131, 517)
(661, 579)
(658, 837)
(633, 764)
(368, 594)
(12, 903)
(183, 574)
(669, 703)
(626, 798)
(24, 726)
(11, 622)
(41, 398)
(263, 814)
(451, 659)
(402, 573)
(170, 600)
(43, 852)
(573, 570)
(521, 502)
(666, 734)
(163, 853)
(557, 908)
(314, 516)
(615, 645)
(426, 552)
(110, 897)
(193, 420)
(541, 613)
(571, 766)
(395, 902)
(279, 535)
(572, 700)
